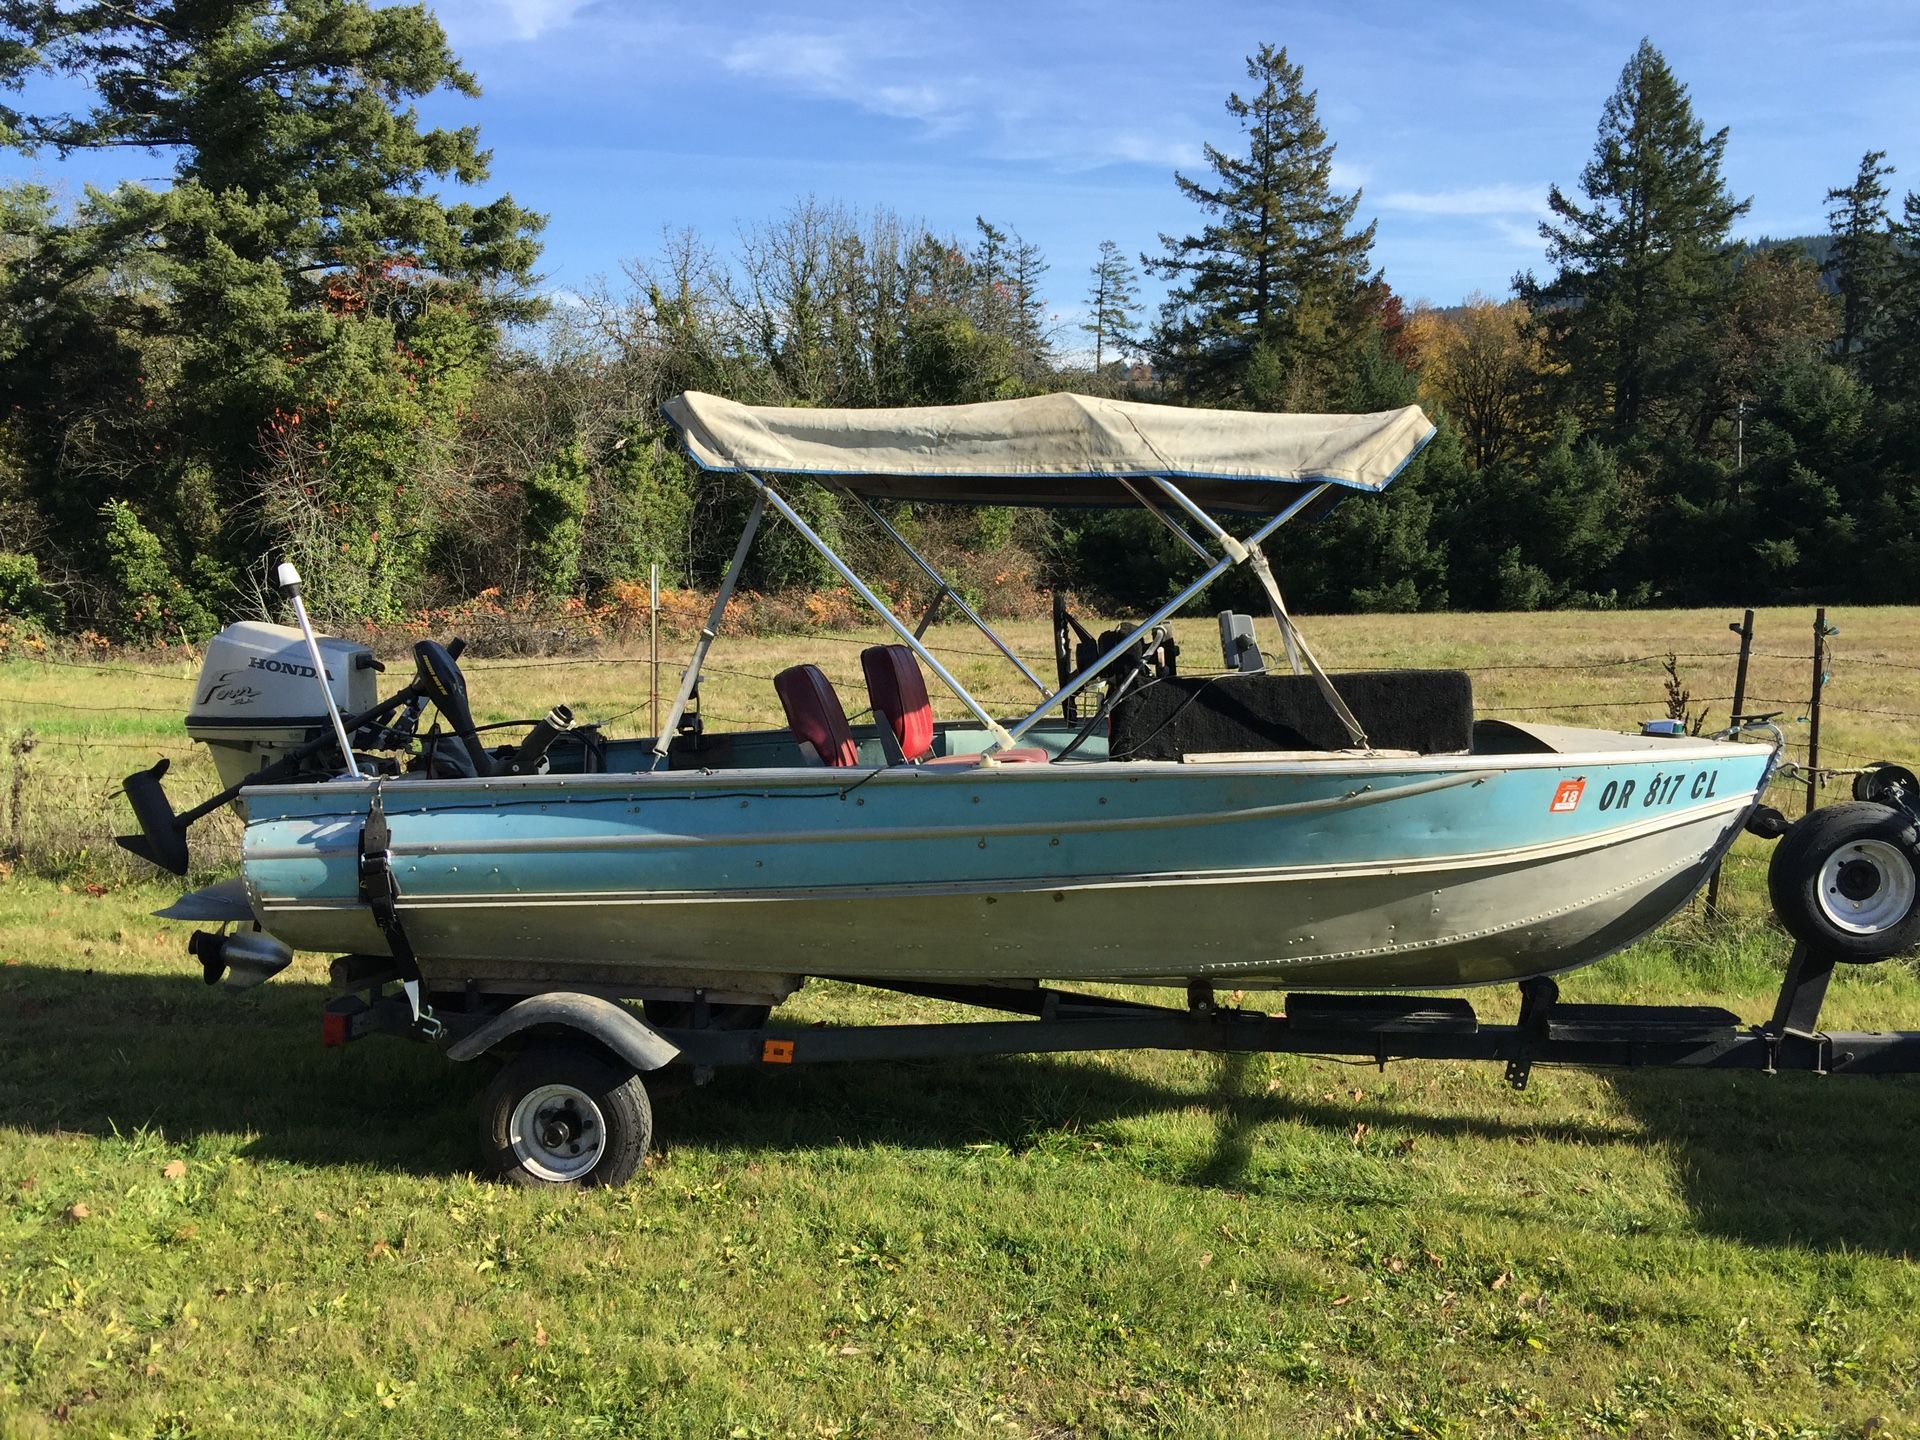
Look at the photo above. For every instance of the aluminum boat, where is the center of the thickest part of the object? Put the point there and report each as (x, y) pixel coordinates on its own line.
(1269, 825)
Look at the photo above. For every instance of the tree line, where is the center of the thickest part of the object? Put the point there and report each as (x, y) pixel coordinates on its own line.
(297, 347)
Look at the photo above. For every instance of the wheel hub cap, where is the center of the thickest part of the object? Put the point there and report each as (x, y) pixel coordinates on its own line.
(1858, 880)
(1867, 886)
(557, 1133)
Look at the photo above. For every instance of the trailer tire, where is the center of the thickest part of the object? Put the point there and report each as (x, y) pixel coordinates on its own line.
(1886, 784)
(564, 1117)
(1846, 880)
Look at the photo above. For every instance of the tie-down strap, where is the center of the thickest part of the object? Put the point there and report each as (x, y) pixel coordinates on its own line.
(380, 893)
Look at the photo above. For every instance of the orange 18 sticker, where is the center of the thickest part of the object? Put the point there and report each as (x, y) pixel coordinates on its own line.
(1567, 797)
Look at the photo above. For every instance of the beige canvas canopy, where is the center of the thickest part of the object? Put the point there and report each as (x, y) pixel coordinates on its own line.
(1054, 449)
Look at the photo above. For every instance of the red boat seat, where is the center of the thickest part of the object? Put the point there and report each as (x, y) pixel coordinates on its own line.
(815, 716)
(899, 695)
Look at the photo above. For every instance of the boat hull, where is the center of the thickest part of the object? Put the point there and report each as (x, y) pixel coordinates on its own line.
(1324, 874)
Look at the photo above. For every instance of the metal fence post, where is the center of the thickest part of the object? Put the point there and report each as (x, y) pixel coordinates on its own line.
(1745, 631)
(1820, 633)
(653, 625)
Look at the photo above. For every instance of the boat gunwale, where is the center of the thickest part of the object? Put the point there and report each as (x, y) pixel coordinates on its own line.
(845, 778)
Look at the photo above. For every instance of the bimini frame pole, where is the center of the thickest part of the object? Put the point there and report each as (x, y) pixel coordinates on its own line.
(1146, 504)
(772, 497)
(1214, 572)
(946, 592)
(712, 628)
(1296, 643)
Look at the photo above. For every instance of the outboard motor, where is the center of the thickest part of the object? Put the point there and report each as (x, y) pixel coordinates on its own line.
(256, 699)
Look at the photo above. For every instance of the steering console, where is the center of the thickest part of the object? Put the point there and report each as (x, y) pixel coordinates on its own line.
(437, 676)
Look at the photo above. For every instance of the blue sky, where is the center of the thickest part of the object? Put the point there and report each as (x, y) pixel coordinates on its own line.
(1066, 121)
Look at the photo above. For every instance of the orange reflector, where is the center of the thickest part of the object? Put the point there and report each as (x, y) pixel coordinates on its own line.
(776, 1052)
(333, 1029)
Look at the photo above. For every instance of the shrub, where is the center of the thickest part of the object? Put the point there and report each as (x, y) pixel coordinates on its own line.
(22, 595)
(150, 605)
(556, 520)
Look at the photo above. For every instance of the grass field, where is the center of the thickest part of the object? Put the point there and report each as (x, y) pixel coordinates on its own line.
(210, 1226)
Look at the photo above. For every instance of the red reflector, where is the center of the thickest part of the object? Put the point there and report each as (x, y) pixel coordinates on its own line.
(333, 1029)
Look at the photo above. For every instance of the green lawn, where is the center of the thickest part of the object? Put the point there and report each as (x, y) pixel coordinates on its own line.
(210, 1225)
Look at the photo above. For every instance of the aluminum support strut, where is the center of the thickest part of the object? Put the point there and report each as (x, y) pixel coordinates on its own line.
(1296, 643)
(1291, 633)
(1165, 519)
(1213, 527)
(1214, 572)
(1001, 738)
(712, 628)
(946, 592)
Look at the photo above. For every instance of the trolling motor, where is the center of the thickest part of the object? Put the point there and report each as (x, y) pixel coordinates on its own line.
(163, 832)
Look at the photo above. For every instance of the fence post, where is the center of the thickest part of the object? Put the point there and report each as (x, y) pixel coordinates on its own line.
(1745, 631)
(653, 625)
(1820, 633)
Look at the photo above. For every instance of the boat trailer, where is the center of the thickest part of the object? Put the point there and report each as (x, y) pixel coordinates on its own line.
(551, 1036)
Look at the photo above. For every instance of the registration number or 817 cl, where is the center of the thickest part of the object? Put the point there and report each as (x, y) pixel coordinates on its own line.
(1662, 789)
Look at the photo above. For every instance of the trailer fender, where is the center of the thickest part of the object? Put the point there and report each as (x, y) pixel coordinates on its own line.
(611, 1025)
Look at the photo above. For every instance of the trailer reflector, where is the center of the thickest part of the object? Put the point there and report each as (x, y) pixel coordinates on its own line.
(334, 1029)
(776, 1052)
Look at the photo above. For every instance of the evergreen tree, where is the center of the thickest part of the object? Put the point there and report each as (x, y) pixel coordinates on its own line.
(299, 271)
(556, 522)
(289, 122)
(641, 510)
(992, 290)
(1861, 261)
(1031, 343)
(1112, 303)
(1643, 266)
(1267, 299)
(1893, 364)
(1374, 552)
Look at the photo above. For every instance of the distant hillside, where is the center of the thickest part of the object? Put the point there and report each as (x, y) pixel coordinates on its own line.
(1816, 247)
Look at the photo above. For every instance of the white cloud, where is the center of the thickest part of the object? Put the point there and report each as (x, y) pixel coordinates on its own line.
(1014, 114)
(1488, 200)
(494, 21)
(1137, 149)
(848, 67)
(1521, 235)
(1347, 176)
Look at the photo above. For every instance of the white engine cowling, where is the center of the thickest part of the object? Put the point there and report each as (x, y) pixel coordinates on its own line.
(257, 696)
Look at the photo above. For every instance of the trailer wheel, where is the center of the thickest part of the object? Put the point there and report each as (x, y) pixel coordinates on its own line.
(562, 1116)
(1847, 880)
(1886, 783)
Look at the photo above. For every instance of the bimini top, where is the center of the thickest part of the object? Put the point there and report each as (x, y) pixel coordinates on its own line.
(1054, 449)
